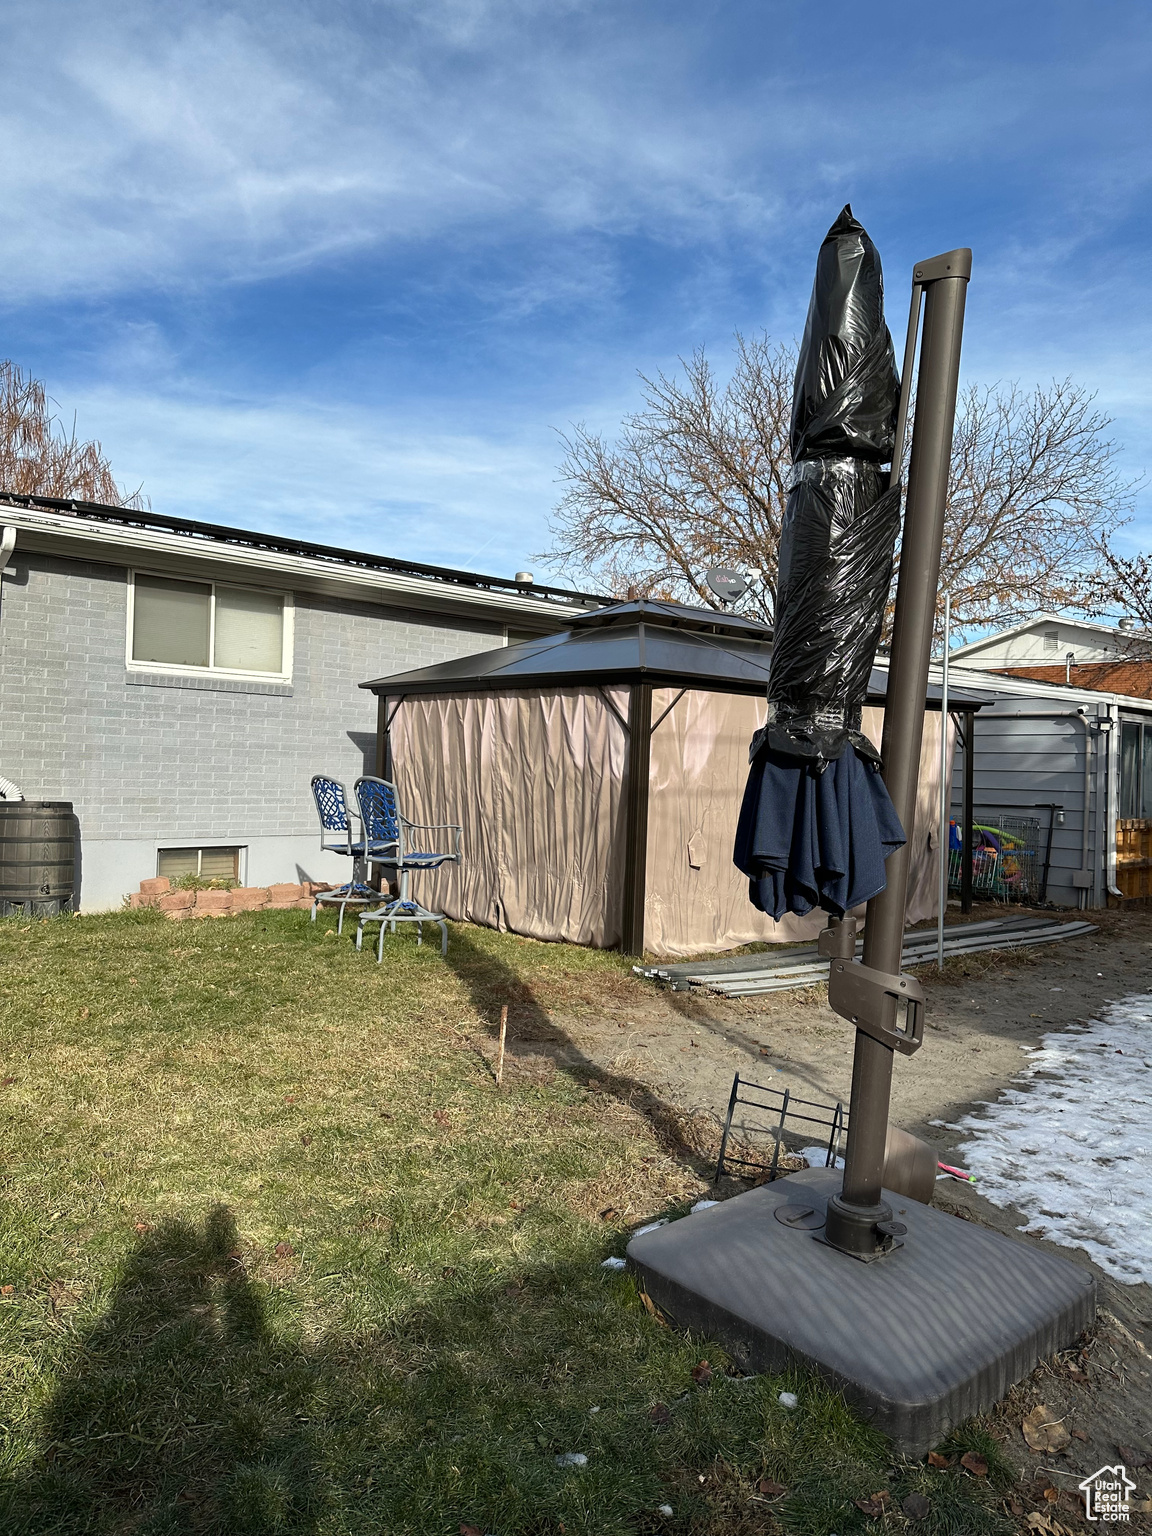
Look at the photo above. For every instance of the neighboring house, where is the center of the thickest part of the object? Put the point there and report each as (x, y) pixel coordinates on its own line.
(180, 683)
(1129, 676)
(1102, 658)
(1047, 641)
(1076, 759)
(1088, 722)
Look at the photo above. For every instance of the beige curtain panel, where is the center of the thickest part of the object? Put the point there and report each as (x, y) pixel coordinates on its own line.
(535, 779)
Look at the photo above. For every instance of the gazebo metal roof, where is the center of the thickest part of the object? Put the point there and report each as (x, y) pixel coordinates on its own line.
(667, 645)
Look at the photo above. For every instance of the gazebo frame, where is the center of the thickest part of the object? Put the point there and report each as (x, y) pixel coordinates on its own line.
(643, 645)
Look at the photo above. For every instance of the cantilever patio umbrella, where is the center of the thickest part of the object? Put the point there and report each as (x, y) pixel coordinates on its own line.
(817, 824)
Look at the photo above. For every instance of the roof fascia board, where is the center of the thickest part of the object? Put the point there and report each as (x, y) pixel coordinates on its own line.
(91, 540)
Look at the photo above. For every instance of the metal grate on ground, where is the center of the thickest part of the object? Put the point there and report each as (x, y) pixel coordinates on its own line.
(776, 1113)
(749, 975)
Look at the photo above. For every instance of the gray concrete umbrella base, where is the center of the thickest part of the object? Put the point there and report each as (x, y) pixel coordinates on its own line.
(920, 1340)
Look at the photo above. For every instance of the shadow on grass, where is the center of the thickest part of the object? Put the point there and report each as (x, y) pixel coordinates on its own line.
(181, 1412)
(492, 982)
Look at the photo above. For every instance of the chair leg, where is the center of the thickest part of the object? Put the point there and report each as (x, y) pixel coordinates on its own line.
(315, 904)
(340, 919)
(359, 935)
(380, 943)
(444, 938)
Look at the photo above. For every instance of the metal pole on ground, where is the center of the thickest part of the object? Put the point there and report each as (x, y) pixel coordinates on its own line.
(857, 1217)
(945, 785)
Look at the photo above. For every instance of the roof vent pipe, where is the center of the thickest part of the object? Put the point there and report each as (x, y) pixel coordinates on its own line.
(1127, 623)
(526, 577)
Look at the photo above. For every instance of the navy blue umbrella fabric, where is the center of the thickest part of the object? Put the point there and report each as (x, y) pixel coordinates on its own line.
(810, 839)
(817, 824)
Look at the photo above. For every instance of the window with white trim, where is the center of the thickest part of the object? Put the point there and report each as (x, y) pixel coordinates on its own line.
(208, 626)
(206, 863)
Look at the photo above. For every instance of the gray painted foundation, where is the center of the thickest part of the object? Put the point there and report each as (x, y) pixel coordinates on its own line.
(111, 869)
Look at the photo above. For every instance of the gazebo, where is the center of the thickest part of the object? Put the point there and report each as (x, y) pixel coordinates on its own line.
(597, 774)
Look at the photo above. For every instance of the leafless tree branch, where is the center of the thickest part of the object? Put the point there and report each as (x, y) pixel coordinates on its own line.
(699, 476)
(40, 457)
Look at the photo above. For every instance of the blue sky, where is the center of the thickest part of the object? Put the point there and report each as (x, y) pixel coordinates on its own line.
(340, 270)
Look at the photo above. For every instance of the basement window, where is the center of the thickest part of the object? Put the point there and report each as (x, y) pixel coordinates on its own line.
(207, 863)
(208, 626)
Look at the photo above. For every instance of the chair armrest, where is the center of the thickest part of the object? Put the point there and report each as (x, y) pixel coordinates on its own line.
(435, 826)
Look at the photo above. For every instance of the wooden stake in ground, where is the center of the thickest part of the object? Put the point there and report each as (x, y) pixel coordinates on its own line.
(503, 1037)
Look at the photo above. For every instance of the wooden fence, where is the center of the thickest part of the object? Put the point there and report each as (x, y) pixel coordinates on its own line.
(1134, 858)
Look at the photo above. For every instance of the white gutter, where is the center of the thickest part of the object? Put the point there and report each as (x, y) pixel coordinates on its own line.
(155, 547)
(1113, 800)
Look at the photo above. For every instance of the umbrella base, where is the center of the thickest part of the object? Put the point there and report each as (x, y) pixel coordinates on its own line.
(936, 1332)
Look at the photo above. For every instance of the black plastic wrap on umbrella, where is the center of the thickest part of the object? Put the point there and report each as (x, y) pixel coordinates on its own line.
(841, 520)
(817, 825)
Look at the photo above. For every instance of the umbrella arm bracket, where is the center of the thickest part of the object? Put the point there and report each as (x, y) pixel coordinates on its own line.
(889, 1008)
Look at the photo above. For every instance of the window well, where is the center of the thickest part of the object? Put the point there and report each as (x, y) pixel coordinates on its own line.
(207, 863)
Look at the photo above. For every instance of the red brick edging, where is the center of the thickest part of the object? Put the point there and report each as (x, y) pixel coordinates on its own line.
(245, 898)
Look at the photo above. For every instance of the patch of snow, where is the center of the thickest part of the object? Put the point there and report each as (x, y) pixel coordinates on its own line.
(614, 1263)
(665, 1510)
(788, 1400)
(817, 1157)
(1069, 1143)
(572, 1459)
(651, 1227)
(703, 1205)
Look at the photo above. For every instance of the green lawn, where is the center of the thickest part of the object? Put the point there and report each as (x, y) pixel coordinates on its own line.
(276, 1256)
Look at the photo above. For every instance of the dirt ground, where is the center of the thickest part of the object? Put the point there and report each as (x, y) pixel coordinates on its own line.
(983, 1012)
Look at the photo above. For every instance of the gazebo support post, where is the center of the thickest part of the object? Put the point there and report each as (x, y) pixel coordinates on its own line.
(857, 1217)
(383, 739)
(968, 812)
(635, 852)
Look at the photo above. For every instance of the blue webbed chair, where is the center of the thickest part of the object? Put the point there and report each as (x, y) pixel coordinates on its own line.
(336, 836)
(391, 843)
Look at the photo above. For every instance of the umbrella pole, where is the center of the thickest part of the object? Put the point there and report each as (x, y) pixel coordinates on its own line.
(858, 1218)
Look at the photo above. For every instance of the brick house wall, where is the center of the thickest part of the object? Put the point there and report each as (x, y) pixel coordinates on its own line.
(150, 759)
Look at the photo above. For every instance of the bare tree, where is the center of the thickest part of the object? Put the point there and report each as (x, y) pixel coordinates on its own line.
(1033, 495)
(696, 479)
(1124, 586)
(40, 457)
(699, 478)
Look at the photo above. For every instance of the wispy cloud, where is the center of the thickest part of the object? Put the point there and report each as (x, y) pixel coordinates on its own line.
(337, 474)
(293, 259)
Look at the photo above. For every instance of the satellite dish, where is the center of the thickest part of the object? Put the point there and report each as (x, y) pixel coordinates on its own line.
(728, 585)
